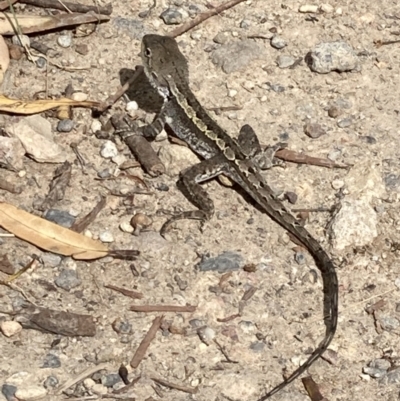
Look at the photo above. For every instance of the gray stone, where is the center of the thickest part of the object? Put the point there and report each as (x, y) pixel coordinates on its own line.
(66, 125)
(51, 259)
(278, 42)
(257, 346)
(50, 382)
(345, 122)
(110, 380)
(389, 323)
(51, 361)
(8, 390)
(333, 56)
(227, 261)
(171, 16)
(285, 61)
(236, 55)
(68, 279)
(314, 130)
(60, 217)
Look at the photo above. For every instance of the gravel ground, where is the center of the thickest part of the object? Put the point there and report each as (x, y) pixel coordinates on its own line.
(256, 57)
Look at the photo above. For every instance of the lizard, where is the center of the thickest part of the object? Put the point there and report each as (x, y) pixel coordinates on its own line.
(167, 70)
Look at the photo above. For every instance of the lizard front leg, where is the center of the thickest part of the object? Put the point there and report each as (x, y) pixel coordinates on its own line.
(251, 148)
(189, 184)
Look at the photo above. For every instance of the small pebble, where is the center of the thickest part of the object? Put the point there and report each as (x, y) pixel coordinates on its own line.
(257, 346)
(370, 140)
(41, 62)
(21, 40)
(300, 258)
(389, 323)
(344, 122)
(334, 112)
(110, 380)
(10, 328)
(291, 197)
(66, 125)
(245, 24)
(8, 390)
(227, 261)
(50, 382)
(79, 96)
(375, 372)
(64, 40)
(206, 334)
(326, 8)
(108, 150)
(99, 389)
(121, 326)
(221, 38)
(278, 42)
(32, 392)
(308, 8)
(61, 217)
(95, 126)
(337, 184)
(131, 107)
(232, 92)
(51, 361)
(314, 130)
(285, 61)
(82, 49)
(106, 237)
(171, 16)
(126, 227)
(68, 279)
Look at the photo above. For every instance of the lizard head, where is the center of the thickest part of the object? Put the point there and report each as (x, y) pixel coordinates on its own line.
(163, 62)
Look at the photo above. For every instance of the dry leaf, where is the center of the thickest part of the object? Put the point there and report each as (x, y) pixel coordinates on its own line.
(17, 106)
(4, 58)
(36, 23)
(49, 236)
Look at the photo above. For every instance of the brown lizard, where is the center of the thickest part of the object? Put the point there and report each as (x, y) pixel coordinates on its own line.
(167, 71)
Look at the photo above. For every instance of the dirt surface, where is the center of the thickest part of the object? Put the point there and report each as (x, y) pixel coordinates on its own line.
(282, 322)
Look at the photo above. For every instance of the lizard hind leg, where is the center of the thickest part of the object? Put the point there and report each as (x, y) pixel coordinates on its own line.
(189, 185)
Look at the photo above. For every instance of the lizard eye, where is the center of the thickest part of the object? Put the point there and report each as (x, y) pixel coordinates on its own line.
(147, 52)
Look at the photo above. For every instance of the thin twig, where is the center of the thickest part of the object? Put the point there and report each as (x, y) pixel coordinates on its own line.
(148, 338)
(204, 16)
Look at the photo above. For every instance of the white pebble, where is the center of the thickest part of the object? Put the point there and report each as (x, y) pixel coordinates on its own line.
(79, 96)
(88, 233)
(126, 227)
(64, 40)
(29, 393)
(106, 236)
(337, 184)
(131, 107)
(95, 126)
(249, 85)
(339, 11)
(89, 383)
(308, 8)
(119, 159)
(10, 329)
(232, 92)
(99, 389)
(326, 8)
(108, 150)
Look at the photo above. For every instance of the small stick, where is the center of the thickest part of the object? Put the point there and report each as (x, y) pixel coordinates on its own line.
(295, 157)
(74, 7)
(228, 318)
(175, 386)
(148, 338)
(126, 292)
(312, 389)
(379, 43)
(204, 16)
(222, 349)
(162, 308)
(86, 373)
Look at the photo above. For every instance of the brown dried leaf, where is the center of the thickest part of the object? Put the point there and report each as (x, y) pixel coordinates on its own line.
(36, 23)
(18, 106)
(49, 236)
